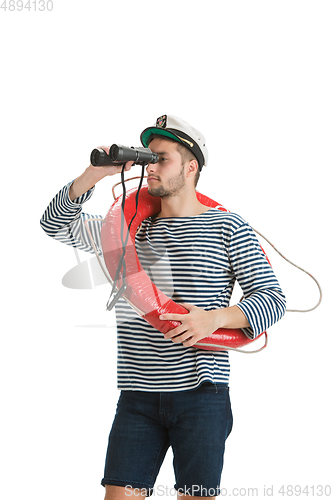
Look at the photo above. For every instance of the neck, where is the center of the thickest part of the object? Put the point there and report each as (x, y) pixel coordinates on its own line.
(182, 204)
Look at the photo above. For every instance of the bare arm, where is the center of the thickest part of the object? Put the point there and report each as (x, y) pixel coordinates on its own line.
(64, 220)
(199, 323)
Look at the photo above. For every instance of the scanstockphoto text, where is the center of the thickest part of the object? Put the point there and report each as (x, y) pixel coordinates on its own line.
(288, 490)
(26, 6)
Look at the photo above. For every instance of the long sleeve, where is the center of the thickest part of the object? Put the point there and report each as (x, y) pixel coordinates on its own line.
(63, 220)
(264, 301)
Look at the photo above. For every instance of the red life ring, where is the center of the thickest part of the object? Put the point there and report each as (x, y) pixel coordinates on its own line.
(140, 292)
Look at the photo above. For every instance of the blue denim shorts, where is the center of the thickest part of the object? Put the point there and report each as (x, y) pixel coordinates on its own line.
(194, 423)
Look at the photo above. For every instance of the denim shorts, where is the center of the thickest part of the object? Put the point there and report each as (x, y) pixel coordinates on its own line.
(195, 423)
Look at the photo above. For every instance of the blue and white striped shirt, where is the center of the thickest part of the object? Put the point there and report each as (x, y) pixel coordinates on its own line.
(193, 260)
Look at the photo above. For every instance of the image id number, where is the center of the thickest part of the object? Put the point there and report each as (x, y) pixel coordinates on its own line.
(19, 5)
(305, 491)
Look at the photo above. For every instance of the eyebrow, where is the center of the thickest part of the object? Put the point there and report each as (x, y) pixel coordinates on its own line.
(161, 153)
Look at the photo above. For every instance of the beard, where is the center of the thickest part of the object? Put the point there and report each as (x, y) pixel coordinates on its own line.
(173, 186)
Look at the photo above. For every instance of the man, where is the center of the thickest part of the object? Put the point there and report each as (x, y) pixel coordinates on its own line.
(173, 394)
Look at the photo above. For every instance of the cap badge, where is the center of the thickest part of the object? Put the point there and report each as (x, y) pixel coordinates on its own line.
(161, 121)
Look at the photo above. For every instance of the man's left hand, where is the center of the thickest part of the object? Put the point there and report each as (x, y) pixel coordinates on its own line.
(195, 325)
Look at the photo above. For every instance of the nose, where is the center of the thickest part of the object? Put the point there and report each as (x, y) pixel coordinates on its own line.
(151, 167)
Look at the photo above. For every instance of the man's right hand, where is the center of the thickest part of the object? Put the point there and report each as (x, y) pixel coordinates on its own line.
(92, 175)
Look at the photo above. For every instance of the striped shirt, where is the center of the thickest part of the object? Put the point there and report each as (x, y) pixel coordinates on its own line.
(192, 260)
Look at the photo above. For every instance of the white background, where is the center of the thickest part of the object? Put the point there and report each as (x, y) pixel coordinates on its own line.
(256, 78)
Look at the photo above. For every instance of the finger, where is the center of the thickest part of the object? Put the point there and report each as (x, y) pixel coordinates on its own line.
(189, 342)
(128, 165)
(172, 317)
(181, 339)
(175, 332)
(189, 307)
(120, 167)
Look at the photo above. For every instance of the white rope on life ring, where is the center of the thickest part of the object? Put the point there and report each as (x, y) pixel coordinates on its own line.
(136, 287)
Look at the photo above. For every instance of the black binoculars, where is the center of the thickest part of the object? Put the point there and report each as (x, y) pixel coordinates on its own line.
(119, 155)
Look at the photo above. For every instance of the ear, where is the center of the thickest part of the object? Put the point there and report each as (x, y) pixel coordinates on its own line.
(192, 167)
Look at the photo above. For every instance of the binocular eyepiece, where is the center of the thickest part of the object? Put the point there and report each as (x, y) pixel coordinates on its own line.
(119, 155)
